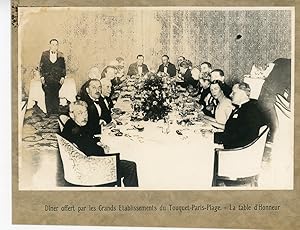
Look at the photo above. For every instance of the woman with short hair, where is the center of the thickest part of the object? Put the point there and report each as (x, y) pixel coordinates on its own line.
(224, 106)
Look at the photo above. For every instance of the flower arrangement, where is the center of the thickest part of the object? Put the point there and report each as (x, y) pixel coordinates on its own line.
(153, 98)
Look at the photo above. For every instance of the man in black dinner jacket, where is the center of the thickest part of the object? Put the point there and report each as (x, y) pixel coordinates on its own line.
(138, 68)
(91, 94)
(105, 101)
(244, 123)
(53, 72)
(99, 103)
(167, 67)
(186, 74)
(77, 131)
(218, 74)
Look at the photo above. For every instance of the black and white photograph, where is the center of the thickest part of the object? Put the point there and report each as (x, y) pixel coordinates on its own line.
(156, 98)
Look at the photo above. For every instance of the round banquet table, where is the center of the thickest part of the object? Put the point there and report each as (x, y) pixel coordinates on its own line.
(165, 160)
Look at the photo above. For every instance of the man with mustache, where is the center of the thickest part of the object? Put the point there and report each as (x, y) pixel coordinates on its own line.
(77, 131)
(105, 101)
(90, 93)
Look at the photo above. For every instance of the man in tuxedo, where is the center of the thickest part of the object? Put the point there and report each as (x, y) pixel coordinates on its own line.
(218, 74)
(111, 73)
(179, 60)
(244, 123)
(138, 68)
(186, 74)
(105, 101)
(91, 94)
(77, 132)
(205, 68)
(53, 72)
(99, 104)
(205, 97)
(167, 67)
(204, 82)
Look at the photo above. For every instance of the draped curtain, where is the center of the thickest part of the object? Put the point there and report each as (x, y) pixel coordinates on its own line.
(95, 36)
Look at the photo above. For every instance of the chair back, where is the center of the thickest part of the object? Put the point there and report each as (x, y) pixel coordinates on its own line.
(62, 121)
(284, 132)
(22, 113)
(86, 171)
(255, 85)
(282, 108)
(243, 162)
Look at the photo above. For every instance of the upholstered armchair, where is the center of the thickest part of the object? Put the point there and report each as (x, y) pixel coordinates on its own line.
(62, 121)
(241, 163)
(80, 169)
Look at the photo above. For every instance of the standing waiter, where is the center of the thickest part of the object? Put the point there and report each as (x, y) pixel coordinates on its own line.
(53, 72)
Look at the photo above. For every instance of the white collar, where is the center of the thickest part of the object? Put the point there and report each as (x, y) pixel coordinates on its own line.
(93, 99)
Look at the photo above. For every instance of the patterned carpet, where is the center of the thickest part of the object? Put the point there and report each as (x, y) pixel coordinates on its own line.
(40, 162)
(39, 131)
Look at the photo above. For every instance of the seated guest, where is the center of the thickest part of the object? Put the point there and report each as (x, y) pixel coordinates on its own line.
(204, 90)
(196, 76)
(224, 106)
(179, 60)
(111, 73)
(190, 64)
(218, 74)
(120, 77)
(91, 95)
(167, 67)
(120, 66)
(244, 123)
(77, 132)
(138, 68)
(186, 74)
(121, 61)
(205, 68)
(210, 105)
(105, 101)
(206, 100)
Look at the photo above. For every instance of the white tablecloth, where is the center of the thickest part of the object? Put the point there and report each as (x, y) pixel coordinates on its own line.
(68, 90)
(165, 161)
(36, 93)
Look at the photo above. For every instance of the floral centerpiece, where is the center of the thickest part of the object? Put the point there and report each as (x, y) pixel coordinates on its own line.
(152, 99)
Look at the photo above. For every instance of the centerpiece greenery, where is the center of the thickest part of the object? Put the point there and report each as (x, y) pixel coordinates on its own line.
(152, 99)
